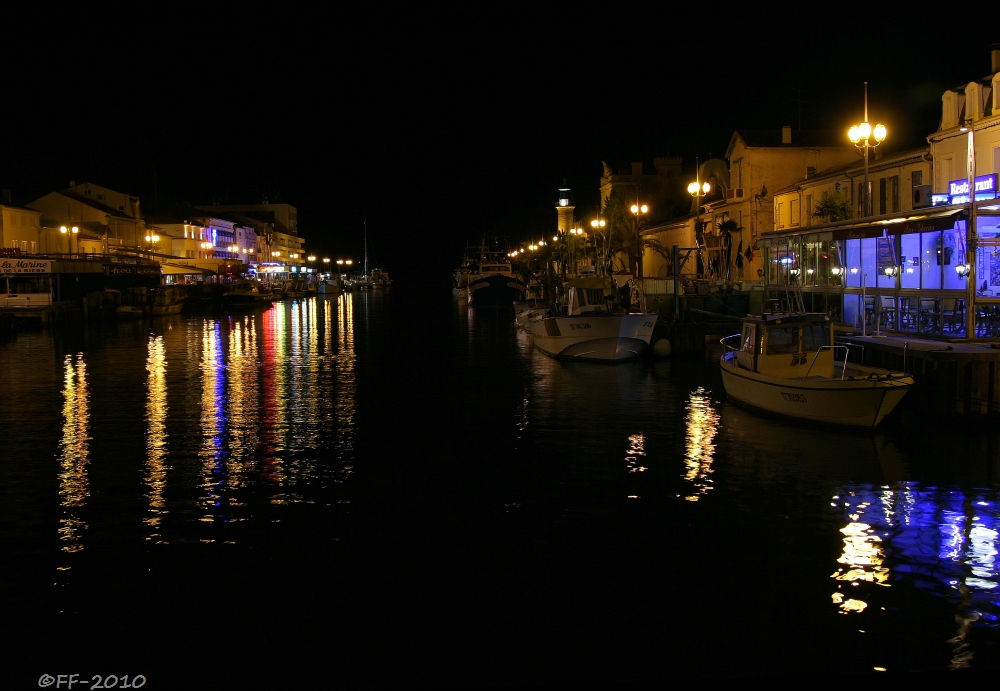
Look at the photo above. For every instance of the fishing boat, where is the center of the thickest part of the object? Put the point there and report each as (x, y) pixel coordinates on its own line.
(167, 300)
(592, 327)
(246, 294)
(789, 365)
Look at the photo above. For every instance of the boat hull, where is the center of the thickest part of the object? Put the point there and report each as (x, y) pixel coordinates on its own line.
(861, 402)
(494, 291)
(603, 337)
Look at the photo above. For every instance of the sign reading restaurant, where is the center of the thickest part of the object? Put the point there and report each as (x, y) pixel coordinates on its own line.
(25, 266)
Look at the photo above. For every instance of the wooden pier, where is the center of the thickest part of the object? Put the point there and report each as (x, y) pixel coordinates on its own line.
(951, 378)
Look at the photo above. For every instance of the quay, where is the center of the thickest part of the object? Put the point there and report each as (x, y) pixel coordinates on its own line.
(952, 378)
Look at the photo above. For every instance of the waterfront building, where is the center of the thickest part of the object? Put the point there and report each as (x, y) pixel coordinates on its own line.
(283, 248)
(203, 243)
(20, 230)
(106, 219)
(761, 161)
(929, 269)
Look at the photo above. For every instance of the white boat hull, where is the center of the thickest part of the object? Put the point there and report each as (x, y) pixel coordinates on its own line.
(607, 337)
(860, 402)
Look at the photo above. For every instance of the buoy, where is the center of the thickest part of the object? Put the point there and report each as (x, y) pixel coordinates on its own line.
(662, 347)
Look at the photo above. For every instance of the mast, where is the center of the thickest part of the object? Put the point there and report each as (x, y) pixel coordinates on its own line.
(366, 245)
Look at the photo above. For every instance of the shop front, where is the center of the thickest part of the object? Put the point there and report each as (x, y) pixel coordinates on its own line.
(907, 272)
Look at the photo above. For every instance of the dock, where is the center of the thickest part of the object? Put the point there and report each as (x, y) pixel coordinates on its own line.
(952, 378)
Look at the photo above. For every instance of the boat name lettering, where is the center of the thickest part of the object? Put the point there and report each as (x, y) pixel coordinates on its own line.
(585, 325)
(647, 324)
(798, 360)
(793, 397)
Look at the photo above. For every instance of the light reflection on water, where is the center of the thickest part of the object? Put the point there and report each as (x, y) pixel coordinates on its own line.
(248, 421)
(702, 424)
(73, 485)
(156, 434)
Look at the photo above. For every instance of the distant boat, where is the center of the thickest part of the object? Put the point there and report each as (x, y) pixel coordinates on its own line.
(167, 300)
(785, 364)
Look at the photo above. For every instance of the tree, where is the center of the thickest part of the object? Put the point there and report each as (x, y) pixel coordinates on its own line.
(619, 239)
(833, 207)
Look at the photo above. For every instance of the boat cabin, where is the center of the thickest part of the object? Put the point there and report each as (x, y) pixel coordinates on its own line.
(789, 346)
(588, 295)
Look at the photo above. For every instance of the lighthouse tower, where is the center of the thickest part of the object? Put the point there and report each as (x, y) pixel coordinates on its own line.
(564, 210)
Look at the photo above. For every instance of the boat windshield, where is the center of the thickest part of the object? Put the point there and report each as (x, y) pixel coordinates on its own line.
(814, 337)
(783, 340)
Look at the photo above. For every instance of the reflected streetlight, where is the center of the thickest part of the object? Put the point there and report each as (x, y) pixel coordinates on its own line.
(861, 136)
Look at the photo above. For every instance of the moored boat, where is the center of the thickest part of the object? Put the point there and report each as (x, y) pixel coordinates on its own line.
(494, 284)
(788, 364)
(591, 329)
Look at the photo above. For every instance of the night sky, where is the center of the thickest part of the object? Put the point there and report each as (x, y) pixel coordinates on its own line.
(438, 139)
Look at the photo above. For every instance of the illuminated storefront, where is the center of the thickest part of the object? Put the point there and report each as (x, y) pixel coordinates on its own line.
(905, 272)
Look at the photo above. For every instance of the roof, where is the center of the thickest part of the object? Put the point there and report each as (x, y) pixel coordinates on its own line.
(845, 169)
(97, 205)
(772, 138)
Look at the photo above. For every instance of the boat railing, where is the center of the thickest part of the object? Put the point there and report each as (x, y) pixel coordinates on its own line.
(828, 347)
(735, 349)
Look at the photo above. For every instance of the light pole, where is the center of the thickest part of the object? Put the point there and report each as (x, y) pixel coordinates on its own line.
(968, 269)
(152, 239)
(698, 190)
(598, 225)
(637, 211)
(861, 136)
(73, 233)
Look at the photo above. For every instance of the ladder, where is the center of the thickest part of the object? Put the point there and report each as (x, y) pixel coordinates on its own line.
(793, 297)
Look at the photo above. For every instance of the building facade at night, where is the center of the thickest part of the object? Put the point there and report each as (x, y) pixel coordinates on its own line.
(933, 266)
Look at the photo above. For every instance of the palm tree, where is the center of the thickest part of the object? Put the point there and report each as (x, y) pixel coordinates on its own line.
(833, 207)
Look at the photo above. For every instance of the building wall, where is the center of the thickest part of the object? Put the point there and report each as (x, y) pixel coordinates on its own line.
(950, 146)
(19, 228)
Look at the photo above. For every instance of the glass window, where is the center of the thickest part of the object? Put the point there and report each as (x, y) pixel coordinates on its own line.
(954, 253)
(813, 337)
(909, 260)
(868, 261)
(825, 259)
(783, 340)
(851, 311)
(853, 263)
(886, 259)
(930, 260)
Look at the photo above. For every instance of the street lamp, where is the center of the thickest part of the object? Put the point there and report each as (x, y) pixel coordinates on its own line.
(152, 239)
(637, 211)
(698, 190)
(73, 234)
(861, 136)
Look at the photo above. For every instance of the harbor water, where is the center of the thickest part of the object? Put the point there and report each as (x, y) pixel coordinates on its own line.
(384, 488)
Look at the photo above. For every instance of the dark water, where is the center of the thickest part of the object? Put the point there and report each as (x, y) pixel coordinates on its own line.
(394, 490)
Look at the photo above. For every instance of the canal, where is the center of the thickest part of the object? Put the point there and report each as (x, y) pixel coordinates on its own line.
(394, 489)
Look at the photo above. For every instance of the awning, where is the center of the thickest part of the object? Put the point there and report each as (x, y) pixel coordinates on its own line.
(915, 223)
(184, 269)
(900, 224)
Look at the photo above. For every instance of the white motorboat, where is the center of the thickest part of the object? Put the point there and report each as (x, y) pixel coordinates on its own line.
(591, 329)
(788, 364)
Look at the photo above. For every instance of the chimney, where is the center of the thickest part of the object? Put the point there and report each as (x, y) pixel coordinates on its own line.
(810, 172)
(786, 135)
(637, 169)
(6, 196)
(995, 55)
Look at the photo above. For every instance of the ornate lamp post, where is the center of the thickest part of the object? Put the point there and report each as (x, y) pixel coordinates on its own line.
(637, 211)
(861, 136)
(73, 231)
(698, 190)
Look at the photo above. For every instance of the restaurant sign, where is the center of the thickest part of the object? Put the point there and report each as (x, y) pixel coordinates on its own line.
(25, 266)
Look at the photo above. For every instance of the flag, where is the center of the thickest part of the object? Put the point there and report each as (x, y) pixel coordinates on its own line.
(739, 255)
